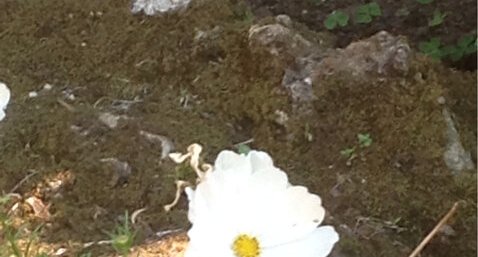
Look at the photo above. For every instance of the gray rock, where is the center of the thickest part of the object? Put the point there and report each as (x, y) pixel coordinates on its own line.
(456, 157)
(381, 54)
(283, 41)
(152, 7)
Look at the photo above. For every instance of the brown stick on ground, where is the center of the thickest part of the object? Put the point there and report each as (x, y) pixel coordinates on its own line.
(432, 233)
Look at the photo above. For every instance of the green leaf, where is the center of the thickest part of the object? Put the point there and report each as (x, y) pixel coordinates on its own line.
(434, 42)
(456, 55)
(364, 140)
(424, 1)
(471, 48)
(466, 40)
(363, 18)
(438, 18)
(363, 9)
(243, 149)
(431, 49)
(453, 52)
(374, 9)
(449, 50)
(348, 152)
(341, 18)
(362, 15)
(330, 23)
(468, 44)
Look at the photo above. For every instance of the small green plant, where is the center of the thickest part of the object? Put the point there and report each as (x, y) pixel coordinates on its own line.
(243, 149)
(348, 152)
(243, 12)
(13, 234)
(437, 19)
(365, 13)
(364, 140)
(466, 45)
(122, 238)
(335, 19)
(425, 1)
(432, 48)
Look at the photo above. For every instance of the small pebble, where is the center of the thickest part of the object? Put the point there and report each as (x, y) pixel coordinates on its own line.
(284, 20)
(441, 100)
(70, 97)
(308, 81)
(47, 86)
(32, 94)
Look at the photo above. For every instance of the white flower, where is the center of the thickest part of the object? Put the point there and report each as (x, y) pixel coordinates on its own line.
(245, 207)
(4, 99)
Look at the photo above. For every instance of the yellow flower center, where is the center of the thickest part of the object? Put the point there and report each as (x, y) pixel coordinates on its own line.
(246, 246)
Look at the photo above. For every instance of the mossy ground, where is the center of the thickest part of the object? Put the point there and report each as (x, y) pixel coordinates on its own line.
(102, 52)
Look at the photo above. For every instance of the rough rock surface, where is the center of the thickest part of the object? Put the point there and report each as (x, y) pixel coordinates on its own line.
(382, 54)
(456, 157)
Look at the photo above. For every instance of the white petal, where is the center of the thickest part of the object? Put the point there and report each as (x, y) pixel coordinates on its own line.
(212, 238)
(290, 215)
(218, 196)
(265, 177)
(268, 181)
(303, 206)
(4, 99)
(260, 160)
(190, 193)
(317, 244)
(202, 251)
(281, 234)
(228, 160)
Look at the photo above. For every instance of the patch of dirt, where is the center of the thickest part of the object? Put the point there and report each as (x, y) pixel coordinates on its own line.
(161, 77)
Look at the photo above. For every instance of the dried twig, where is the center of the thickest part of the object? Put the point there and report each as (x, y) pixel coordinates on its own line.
(193, 153)
(68, 106)
(248, 141)
(32, 173)
(432, 233)
(136, 213)
(180, 185)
